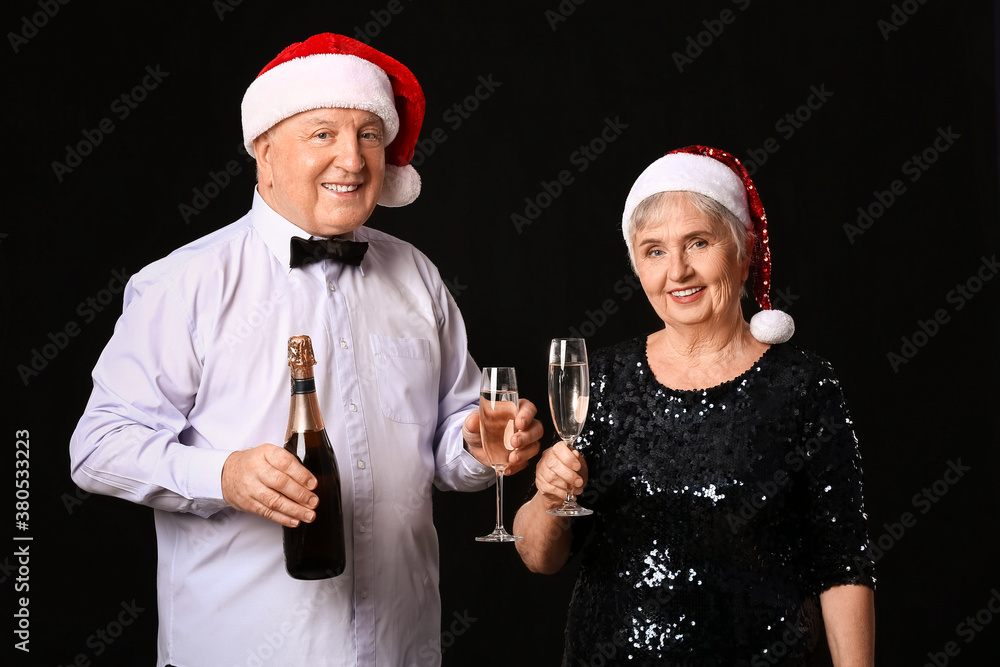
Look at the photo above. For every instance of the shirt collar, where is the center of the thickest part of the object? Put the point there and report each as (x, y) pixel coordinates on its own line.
(276, 231)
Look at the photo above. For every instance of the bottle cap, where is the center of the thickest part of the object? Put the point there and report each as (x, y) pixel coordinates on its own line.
(300, 352)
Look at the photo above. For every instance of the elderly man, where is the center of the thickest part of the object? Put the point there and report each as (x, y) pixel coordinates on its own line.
(194, 380)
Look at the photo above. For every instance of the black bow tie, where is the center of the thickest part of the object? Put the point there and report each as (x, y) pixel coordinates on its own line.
(304, 251)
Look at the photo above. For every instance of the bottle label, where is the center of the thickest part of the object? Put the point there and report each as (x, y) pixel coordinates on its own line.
(306, 386)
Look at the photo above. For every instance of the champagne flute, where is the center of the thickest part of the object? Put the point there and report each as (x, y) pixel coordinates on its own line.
(497, 410)
(569, 398)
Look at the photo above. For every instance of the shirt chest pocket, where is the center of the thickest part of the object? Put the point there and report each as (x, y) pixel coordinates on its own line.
(407, 382)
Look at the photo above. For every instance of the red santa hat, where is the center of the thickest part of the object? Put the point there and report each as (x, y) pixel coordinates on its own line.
(333, 71)
(719, 176)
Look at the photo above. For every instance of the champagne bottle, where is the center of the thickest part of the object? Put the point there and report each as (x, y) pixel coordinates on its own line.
(313, 550)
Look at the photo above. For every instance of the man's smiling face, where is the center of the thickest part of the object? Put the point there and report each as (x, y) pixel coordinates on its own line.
(323, 169)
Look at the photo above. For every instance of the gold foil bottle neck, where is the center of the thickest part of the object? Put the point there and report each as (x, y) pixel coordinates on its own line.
(300, 356)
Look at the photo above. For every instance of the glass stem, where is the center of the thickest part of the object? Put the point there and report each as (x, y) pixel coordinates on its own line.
(500, 499)
(570, 496)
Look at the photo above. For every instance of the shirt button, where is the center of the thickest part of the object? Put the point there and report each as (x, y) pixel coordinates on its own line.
(333, 288)
(364, 593)
(361, 463)
(353, 407)
(362, 528)
(343, 344)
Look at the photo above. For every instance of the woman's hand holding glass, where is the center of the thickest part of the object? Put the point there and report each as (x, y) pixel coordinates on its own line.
(569, 399)
(560, 471)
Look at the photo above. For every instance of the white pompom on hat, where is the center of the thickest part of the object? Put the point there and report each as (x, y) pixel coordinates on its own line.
(720, 176)
(334, 71)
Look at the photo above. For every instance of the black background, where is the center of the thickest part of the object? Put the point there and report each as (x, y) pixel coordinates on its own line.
(558, 79)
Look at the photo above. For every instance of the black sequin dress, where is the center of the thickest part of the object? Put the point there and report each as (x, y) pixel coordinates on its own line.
(720, 515)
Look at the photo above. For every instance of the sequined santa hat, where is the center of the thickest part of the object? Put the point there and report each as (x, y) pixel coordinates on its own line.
(720, 176)
(333, 71)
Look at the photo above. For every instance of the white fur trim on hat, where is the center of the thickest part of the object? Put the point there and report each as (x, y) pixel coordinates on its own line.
(772, 326)
(323, 80)
(401, 186)
(693, 173)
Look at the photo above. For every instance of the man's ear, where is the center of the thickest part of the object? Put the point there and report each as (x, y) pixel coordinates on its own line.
(262, 151)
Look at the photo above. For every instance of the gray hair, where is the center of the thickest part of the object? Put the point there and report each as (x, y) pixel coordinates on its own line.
(649, 209)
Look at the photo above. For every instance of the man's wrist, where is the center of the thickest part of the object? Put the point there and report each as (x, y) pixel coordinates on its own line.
(484, 466)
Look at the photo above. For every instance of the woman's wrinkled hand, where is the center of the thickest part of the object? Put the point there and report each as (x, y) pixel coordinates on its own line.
(560, 470)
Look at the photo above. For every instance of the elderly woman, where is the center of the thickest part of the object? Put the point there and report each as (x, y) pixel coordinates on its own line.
(725, 479)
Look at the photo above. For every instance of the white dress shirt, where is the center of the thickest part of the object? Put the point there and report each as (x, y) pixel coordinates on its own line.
(196, 369)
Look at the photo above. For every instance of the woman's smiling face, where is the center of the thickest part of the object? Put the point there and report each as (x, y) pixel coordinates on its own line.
(689, 265)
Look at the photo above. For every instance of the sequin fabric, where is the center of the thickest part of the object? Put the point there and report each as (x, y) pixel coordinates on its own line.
(720, 515)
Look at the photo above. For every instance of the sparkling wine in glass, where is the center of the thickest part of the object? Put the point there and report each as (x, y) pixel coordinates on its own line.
(497, 410)
(569, 398)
